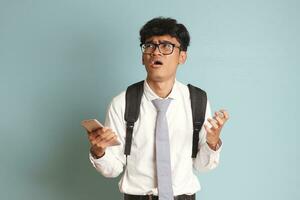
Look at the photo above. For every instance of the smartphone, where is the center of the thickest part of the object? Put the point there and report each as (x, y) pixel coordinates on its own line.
(91, 124)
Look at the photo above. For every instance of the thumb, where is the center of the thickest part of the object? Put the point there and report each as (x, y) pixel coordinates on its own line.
(105, 128)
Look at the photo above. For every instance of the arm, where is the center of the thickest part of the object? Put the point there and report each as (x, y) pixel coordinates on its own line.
(110, 161)
(210, 143)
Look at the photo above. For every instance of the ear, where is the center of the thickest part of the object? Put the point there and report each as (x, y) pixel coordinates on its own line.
(182, 57)
(143, 60)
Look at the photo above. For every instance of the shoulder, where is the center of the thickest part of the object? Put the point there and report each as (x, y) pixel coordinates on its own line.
(182, 88)
(119, 100)
(185, 92)
(117, 103)
(185, 87)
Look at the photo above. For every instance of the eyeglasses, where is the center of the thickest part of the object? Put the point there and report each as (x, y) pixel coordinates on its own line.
(165, 48)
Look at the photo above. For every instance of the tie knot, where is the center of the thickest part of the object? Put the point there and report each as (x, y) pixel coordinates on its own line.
(161, 105)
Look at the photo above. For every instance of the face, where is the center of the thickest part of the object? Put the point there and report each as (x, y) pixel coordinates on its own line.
(162, 67)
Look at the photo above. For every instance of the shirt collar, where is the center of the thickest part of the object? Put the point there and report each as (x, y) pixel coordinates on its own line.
(150, 94)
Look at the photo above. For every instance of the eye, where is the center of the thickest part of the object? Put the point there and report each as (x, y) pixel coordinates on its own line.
(166, 46)
(149, 46)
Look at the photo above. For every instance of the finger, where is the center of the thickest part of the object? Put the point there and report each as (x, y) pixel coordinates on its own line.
(219, 120)
(98, 137)
(214, 123)
(108, 141)
(90, 132)
(92, 136)
(113, 141)
(99, 145)
(105, 129)
(100, 131)
(100, 142)
(94, 141)
(219, 114)
(208, 130)
(104, 135)
(225, 112)
(109, 137)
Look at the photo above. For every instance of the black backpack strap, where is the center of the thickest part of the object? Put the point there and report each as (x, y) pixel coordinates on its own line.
(134, 95)
(198, 103)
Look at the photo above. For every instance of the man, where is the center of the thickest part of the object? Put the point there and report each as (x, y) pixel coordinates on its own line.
(164, 45)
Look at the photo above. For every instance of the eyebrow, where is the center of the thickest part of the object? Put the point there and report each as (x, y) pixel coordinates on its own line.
(160, 41)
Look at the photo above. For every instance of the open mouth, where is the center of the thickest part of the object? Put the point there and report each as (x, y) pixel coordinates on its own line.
(157, 62)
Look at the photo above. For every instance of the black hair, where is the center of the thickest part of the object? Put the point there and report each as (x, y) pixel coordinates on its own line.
(165, 26)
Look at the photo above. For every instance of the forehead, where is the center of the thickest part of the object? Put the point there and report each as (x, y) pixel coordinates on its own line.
(162, 38)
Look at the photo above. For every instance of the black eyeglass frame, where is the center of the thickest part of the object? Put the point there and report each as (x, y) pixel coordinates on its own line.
(157, 46)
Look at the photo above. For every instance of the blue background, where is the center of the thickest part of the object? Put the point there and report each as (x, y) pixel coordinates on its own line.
(62, 61)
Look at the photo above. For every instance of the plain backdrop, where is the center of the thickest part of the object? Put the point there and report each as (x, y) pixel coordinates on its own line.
(61, 61)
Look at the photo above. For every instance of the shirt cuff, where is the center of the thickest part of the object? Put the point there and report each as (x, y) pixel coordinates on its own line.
(100, 161)
(211, 151)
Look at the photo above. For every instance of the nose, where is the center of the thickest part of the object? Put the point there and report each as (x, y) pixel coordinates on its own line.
(156, 51)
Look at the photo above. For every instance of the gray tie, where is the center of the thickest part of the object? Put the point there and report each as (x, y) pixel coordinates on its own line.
(163, 162)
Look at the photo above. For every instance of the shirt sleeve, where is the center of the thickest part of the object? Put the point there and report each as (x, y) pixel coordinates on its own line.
(113, 161)
(206, 159)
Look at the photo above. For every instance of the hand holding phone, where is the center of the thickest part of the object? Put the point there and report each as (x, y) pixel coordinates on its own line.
(103, 137)
(91, 124)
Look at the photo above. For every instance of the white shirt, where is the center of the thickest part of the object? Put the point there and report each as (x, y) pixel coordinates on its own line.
(139, 177)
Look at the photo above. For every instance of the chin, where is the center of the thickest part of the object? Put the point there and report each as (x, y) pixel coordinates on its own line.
(155, 78)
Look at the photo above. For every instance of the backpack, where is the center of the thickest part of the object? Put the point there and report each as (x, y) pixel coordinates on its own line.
(133, 97)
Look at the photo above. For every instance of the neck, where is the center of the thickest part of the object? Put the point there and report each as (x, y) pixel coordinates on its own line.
(161, 89)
